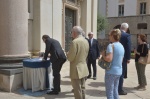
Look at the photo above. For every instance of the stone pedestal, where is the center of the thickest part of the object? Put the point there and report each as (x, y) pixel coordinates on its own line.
(13, 42)
(10, 79)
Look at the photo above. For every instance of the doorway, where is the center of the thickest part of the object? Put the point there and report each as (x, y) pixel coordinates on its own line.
(70, 21)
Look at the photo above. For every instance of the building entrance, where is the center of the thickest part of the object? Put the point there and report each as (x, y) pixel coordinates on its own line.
(70, 21)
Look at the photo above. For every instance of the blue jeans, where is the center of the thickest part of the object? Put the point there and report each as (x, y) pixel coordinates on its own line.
(111, 84)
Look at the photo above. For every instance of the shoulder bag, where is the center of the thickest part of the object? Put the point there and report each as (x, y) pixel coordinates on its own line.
(104, 64)
(143, 60)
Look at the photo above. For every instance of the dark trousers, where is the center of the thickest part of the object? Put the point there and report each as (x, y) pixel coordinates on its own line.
(124, 68)
(140, 68)
(56, 66)
(93, 62)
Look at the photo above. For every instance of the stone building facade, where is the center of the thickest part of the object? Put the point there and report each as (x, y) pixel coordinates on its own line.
(135, 12)
(22, 24)
(133, 22)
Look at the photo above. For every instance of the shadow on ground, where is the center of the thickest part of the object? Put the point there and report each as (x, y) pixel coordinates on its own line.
(130, 89)
(65, 82)
(67, 77)
(95, 93)
(62, 95)
(97, 84)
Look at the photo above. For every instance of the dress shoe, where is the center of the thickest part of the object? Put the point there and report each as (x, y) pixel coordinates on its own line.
(122, 93)
(53, 93)
(141, 88)
(89, 76)
(137, 87)
(58, 90)
(94, 78)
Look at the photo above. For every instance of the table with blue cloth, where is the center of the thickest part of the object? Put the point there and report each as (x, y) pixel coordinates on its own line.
(37, 74)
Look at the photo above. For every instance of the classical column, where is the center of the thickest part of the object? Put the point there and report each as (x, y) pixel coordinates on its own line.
(13, 31)
(94, 17)
(86, 8)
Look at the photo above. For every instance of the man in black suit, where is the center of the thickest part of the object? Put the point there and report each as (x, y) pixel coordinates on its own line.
(57, 58)
(125, 40)
(94, 54)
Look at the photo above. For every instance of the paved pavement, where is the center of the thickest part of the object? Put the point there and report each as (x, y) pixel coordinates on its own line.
(95, 89)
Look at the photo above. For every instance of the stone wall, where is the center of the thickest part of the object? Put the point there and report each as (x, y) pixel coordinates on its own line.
(133, 21)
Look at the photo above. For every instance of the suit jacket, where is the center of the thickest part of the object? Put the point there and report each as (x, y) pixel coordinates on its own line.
(77, 55)
(54, 48)
(94, 51)
(125, 40)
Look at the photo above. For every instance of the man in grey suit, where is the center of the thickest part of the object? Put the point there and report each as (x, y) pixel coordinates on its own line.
(77, 55)
(57, 58)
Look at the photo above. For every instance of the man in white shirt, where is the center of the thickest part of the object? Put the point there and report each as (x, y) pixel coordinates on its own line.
(94, 54)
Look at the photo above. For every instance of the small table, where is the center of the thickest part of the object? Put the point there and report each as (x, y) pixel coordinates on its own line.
(36, 74)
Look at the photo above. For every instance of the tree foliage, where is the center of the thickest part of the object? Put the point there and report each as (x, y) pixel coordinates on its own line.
(102, 23)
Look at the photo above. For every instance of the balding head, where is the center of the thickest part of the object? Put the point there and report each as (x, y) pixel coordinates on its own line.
(76, 31)
(124, 26)
(90, 35)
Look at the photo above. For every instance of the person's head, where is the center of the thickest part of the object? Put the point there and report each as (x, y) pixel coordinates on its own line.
(114, 35)
(45, 37)
(124, 26)
(141, 38)
(76, 31)
(90, 35)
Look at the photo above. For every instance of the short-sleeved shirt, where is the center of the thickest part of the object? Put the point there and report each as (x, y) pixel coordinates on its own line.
(118, 54)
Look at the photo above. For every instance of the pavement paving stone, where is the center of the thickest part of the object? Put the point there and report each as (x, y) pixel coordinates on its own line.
(95, 89)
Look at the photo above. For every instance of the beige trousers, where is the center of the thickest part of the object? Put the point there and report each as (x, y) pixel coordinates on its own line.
(79, 88)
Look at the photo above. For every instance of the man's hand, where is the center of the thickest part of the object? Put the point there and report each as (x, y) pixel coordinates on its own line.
(103, 53)
(128, 61)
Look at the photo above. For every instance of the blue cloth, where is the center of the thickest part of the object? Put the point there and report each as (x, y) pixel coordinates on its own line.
(36, 63)
(30, 93)
(118, 54)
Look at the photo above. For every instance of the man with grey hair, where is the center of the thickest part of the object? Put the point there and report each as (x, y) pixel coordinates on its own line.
(124, 26)
(77, 55)
(125, 40)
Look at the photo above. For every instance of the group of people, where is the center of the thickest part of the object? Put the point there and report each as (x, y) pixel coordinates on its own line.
(83, 52)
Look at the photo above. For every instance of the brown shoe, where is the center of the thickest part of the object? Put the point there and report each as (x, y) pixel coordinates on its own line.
(141, 89)
(137, 87)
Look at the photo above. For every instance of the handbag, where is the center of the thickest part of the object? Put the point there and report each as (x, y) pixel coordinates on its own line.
(104, 64)
(144, 60)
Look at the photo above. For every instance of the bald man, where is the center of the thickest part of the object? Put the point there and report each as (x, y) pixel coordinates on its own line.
(94, 53)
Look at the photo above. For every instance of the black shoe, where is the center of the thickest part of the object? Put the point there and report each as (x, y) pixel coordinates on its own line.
(122, 93)
(52, 93)
(89, 76)
(58, 90)
(94, 78)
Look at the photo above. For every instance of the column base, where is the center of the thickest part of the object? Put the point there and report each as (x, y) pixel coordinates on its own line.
(11, 79)
(11, 76)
